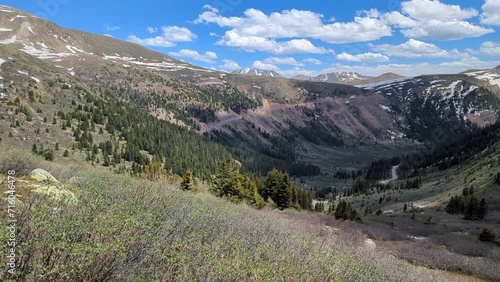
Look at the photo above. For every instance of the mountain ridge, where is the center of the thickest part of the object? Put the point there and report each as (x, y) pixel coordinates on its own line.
(349, 78)
(257, 72)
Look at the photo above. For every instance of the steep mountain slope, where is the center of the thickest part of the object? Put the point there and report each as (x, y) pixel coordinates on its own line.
(257, 72)
(452, 103)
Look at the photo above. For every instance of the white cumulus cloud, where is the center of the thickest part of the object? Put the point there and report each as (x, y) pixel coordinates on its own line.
(491, 12)
(229, 65)
(283, 61)
(490, 48)
(312, 61)
(415, 49)
(255, 43)
(427, 10)
(169, 37)
(264, 66)
(256, 25)
(365, 57)
(208, 57)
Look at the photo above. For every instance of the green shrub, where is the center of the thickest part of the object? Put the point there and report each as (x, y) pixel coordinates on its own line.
(487, 234)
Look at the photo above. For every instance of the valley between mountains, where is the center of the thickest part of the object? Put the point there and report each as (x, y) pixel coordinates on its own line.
(131, 165)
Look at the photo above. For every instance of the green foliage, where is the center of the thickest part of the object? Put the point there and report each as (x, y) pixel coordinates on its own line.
(153, 171)
(135, 230)
(319, 207)
(345, 211)
(487, 234)
(382, 169)
(230, 183)
(277, 186)
(187, 183)
(468, 205)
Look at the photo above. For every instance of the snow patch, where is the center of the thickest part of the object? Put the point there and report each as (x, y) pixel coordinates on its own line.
(9, 41)
(490, 77)
(44, 53)
(436, 81)
(22, 72)
(75, 50)
(1, 62)
(29, 27)
(35, 79)
(16, 17)
(386, 108)
(6, 11)
(453, 85)
(43, 45)
(5, 29)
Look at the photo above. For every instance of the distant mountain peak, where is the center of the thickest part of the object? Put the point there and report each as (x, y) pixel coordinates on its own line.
(497, 67)
(335, 77)
(257, 72)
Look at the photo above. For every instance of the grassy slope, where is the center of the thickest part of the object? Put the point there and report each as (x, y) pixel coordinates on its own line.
(449, 241)
(124, 229)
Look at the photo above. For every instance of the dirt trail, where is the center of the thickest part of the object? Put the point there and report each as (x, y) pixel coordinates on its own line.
(394, 175)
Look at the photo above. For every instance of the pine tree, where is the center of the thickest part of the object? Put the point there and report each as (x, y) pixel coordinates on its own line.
(277, 186)
(66, 153)
(405, 208)
(482, 210)
(227, 181)
(187, 183)
(487, 234)
(471, 209)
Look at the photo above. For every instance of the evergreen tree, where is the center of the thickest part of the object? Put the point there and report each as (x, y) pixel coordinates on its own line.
(153, 171)
(487, 234)
(277, 186)
(227, 181)
(482, 209)
(187, 183)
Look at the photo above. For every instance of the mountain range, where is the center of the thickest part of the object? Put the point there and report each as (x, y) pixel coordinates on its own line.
(266, 112)
(349, 78)
(257, 72)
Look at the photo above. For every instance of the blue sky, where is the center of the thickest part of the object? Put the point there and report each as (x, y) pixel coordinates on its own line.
(297, 37)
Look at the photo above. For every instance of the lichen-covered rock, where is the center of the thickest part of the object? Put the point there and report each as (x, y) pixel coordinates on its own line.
(48, 185)
(41, 175)
(57, 194)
